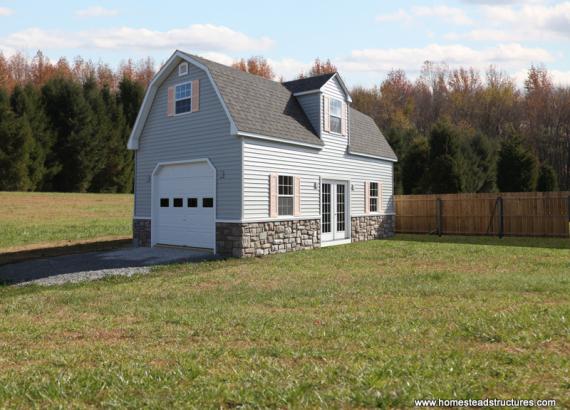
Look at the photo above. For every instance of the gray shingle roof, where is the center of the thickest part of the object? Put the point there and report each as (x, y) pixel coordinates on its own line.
(268, 108)
(308, 84)
(366, 138)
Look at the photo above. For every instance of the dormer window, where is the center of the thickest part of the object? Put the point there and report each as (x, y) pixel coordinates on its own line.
(335, 116)
(182, 69)
(183, 98)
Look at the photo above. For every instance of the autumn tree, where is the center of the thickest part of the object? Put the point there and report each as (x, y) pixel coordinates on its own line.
(319, 68)
(256, 65)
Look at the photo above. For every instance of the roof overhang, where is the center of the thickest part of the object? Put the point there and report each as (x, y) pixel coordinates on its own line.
(152, 89)
(320, 90)
(360, 154)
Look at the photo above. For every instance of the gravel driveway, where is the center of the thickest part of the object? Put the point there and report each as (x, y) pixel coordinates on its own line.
(95, 265)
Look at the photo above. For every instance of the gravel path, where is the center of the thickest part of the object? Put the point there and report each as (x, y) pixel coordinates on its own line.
(95, 265)
(85, 276)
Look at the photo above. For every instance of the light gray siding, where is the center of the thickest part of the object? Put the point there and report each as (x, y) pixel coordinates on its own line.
(261, 158)
(311, 105)
(202, 134)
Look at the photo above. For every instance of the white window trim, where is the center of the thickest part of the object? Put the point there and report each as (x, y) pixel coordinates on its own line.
(183, 69)
(372, 197)
(180, 99)
(331, 99)
(285, 195)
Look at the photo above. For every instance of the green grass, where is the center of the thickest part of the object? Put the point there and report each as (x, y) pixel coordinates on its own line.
(40, 218)
(371, 324)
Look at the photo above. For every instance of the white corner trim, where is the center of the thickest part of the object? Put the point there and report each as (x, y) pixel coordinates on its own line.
(275, 139)
(152, 89)
(358, 154)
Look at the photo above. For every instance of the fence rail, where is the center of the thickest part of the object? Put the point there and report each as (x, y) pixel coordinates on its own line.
(513, 213)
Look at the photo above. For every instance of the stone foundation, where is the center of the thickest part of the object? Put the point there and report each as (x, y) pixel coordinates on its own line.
(365, 228)
(141, 232)
(264, 238)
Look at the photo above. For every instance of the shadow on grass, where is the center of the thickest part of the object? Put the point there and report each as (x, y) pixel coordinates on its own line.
(72, 249)
(535, 242)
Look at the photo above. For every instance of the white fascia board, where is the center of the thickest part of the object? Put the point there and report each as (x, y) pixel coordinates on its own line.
(371, 156)
(157, 80)
(275, 139)
(343, 85)
(307, 92)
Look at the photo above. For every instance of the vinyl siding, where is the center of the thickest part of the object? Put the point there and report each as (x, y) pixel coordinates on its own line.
(261, 158)
(202, 134)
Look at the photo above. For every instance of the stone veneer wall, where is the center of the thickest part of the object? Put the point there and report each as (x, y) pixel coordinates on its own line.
(141, 232)
(365, 228)
(264, 238)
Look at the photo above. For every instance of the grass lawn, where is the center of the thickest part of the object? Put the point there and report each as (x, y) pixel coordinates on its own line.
(371, 324)
(29, 220)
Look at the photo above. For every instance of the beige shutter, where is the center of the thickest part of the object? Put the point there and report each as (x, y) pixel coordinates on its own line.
(297, 196)
(195, 95)
(326, 113)
(380, 196)
(366, 197)
(170, 102)
(273, 193)
(344, 119)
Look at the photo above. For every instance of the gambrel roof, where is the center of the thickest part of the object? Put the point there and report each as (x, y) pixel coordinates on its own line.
(264, 108)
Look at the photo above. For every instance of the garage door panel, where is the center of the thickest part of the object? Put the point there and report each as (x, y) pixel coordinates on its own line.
(185, 225)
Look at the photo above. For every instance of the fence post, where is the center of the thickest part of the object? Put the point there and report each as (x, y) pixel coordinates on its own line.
(501, 217)
(439, 210)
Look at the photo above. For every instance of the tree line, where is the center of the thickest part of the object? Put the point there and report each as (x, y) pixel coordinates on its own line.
(64, 126)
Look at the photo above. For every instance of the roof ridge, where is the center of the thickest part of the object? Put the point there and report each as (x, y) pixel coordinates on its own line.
(311, 77)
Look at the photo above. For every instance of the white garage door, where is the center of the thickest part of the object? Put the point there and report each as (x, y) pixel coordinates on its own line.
(184, 208)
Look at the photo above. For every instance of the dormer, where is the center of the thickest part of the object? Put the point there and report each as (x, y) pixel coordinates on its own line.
(325, 100)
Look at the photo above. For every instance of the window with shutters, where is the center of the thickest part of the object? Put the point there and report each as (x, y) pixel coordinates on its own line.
(285, 195)
(335, 114)
(374, 197)
(183, 98)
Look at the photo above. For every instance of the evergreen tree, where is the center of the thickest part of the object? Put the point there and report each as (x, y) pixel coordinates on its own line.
(27, 104)
(517, 167)
(15, 143)
(414, 166)
(445, 160)
(479, 163)
(131, 95)
(76, 146)
(547, 180)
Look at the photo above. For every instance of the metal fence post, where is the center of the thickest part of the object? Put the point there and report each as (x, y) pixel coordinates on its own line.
(501, 217)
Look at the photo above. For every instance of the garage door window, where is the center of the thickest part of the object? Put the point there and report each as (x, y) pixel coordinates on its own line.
(207, 202)
(192, 202)
(164, 202)
(177, 203)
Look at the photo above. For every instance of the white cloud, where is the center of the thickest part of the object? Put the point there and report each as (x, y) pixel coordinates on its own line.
(5, 11)
(205, 37)
(448, 14)
(397, 16)
(96, 11)
(507, 56)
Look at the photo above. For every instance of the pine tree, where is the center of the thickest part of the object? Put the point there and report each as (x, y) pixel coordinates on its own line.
(517, 167)
(547, 180)
(76, 146)
(131, 95)
(15, 143)
(479, 163)
(414, 166)
(27, 104)
(445, 160)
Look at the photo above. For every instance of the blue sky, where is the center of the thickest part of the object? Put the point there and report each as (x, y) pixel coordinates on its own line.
(365, 39)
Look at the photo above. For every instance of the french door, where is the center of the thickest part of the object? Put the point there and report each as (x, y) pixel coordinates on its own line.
(333, 211)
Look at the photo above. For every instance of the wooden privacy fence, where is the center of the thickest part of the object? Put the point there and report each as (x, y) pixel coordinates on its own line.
(513, 213)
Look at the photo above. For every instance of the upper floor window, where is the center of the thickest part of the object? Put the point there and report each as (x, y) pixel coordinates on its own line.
(335, 110)
(374, 197)
(183, 98)
(285, 195)
(182, 69)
